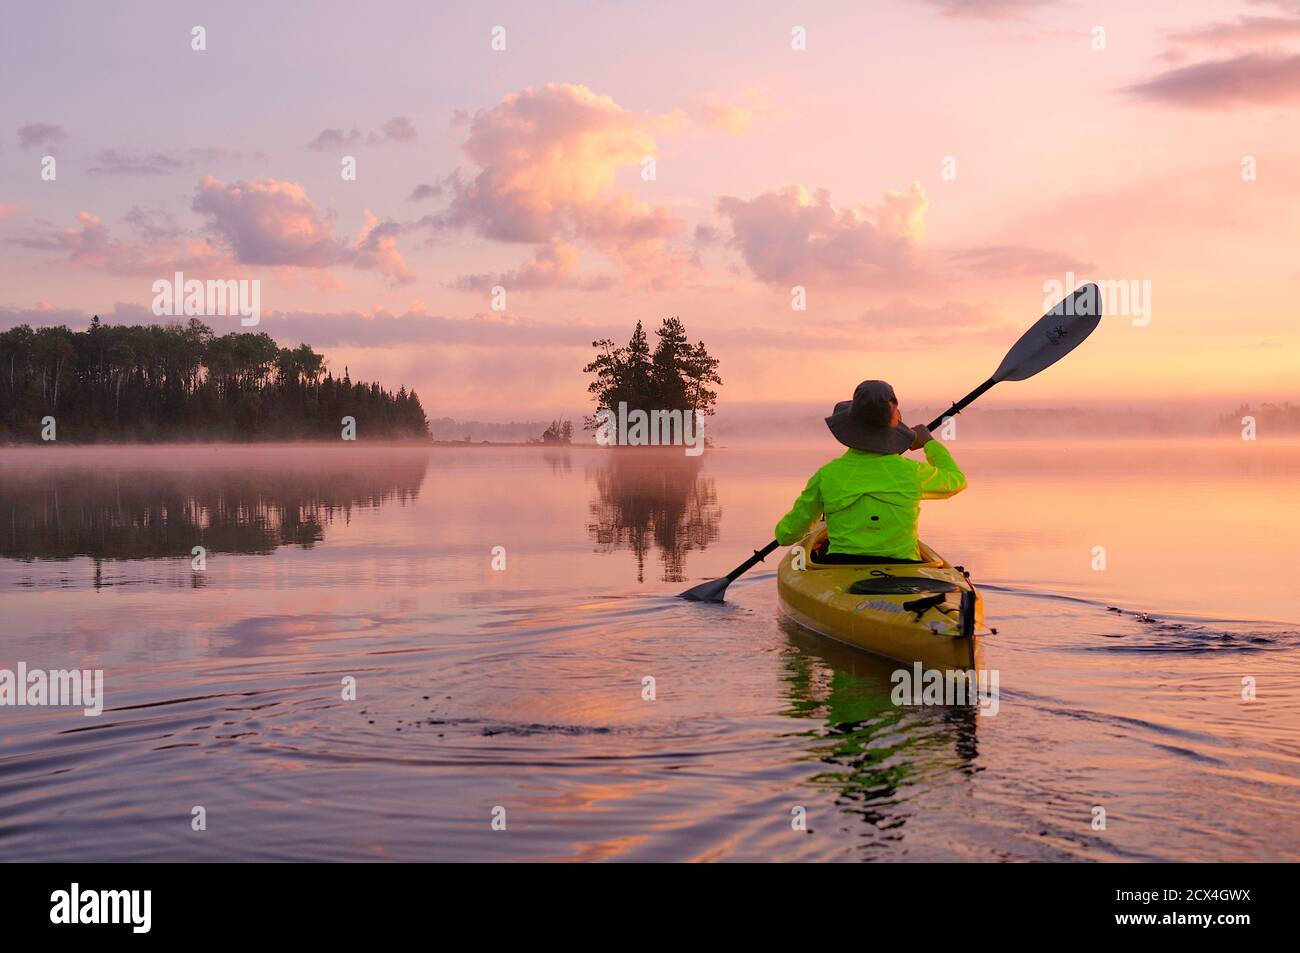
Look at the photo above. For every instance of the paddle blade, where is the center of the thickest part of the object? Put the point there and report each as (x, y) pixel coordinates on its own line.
(1053, 336)
(713, 591)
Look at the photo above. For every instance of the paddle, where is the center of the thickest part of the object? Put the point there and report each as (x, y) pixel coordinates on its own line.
(1053, 336)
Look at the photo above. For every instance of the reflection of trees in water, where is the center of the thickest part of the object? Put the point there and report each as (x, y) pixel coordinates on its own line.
(648, 497)
(560, 461)
(868, 749)
(151, 512)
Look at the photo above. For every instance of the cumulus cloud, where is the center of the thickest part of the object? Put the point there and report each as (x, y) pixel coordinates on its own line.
(376, 248)
(276, 223)
(38, 135)
(986, 9)
(788, 237)
(399, 129)
(1251, 79)
(548, 158)
(270, 223)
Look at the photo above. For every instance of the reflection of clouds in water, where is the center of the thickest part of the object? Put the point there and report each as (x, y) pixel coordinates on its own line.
(288, 634)
(650, 498)
(141, 512)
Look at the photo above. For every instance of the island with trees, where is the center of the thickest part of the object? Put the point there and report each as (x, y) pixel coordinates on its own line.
(675, 375)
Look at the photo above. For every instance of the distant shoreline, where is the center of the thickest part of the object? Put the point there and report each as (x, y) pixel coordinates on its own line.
(321, 444)
(998, 441)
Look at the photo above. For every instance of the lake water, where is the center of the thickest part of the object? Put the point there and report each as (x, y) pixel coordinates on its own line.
(479, 689)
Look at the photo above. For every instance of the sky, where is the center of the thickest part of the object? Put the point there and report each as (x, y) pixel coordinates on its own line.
(926, 171)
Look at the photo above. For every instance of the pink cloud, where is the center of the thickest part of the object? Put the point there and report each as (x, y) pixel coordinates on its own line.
(90, 245)
(788, 237)
(548, 157)
(726, 117)
(12, 210)
(35, 135)
(552, 266)
(276, 223)
(1015, 261)
(1252, 79)
(399, 129)
(270, 223)
(376, 247)
(731, 117)
(1245, 29)
(986, 9)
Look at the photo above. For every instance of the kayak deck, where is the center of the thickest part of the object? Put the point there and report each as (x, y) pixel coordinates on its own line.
(911, 612)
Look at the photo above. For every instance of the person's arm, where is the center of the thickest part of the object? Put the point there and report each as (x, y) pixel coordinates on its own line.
(806, 509)
(940, 475)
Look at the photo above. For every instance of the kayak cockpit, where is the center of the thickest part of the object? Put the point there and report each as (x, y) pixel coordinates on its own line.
(818, 552)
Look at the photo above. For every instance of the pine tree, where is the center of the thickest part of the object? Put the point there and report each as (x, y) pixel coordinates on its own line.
(668, 386)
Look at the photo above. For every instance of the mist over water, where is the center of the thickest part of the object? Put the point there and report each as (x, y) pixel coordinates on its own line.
(522, 688)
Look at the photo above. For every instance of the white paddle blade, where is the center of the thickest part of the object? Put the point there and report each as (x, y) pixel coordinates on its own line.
(1054, 335)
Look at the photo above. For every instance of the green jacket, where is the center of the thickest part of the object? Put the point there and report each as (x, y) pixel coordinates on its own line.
(872, 501)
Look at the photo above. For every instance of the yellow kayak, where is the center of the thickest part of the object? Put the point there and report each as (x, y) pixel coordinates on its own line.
(910, 612)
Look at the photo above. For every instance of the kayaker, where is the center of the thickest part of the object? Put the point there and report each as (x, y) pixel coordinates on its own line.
(871, 495)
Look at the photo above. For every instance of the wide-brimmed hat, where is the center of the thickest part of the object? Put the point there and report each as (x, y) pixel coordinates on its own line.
(855, 423)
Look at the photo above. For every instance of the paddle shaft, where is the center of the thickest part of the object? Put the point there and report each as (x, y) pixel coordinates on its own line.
(961, 405)
(752, 561)
(957, 408)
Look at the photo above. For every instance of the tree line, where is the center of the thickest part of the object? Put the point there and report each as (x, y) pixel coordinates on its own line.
(1270, 418)
(181, 382)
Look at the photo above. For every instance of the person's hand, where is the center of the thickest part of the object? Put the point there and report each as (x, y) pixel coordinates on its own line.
(923, 436)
